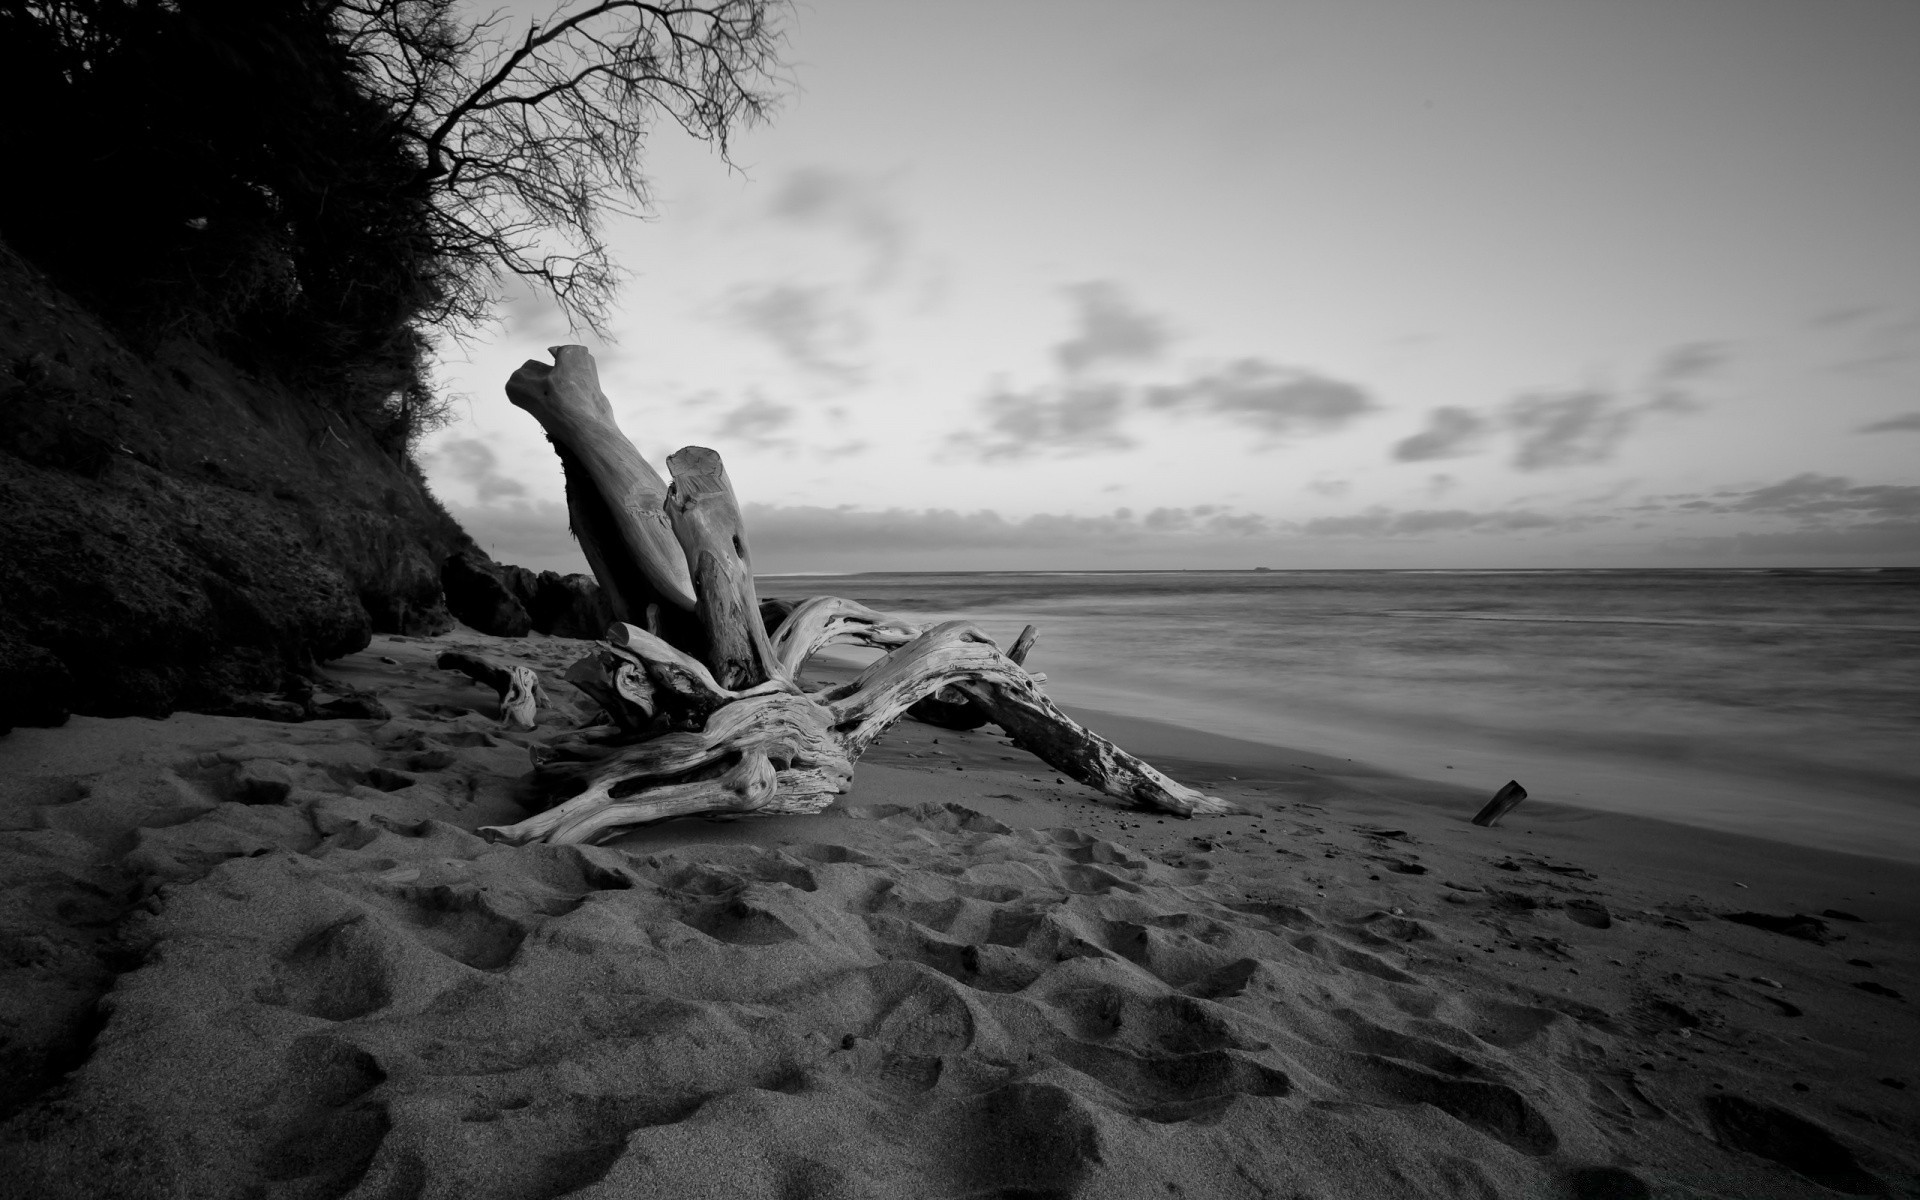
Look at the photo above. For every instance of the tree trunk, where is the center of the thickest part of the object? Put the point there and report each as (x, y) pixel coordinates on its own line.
(705, 711)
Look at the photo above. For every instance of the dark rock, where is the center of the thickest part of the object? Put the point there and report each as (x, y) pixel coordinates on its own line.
(1799, 925)
(477, 594)
(35, 688)
(354, 708)
(570, 606)
(1835, 914)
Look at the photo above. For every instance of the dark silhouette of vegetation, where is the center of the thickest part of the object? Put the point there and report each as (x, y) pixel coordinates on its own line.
(322, 187)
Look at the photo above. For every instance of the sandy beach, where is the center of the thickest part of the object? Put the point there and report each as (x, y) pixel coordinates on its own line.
(249, 959)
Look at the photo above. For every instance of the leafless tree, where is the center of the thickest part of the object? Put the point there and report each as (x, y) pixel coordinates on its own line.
(529, 137)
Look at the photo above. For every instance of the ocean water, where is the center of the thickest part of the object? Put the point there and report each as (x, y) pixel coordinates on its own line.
(1783, 704)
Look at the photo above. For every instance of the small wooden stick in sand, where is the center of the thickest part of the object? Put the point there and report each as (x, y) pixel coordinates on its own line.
(518, 687)
(1504, 801)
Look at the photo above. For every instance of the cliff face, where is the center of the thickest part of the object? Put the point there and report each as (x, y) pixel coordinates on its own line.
(174, 531)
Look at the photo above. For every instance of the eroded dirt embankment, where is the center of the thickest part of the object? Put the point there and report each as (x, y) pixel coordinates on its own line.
(174, 530)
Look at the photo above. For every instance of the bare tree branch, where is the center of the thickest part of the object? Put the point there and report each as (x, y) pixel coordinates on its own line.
(527, 142)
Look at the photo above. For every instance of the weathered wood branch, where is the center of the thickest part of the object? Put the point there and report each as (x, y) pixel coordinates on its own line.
(951, 708)
(810, 767)
(823, 621)
(615, 500)
(958, 654)
(1038, 725)
(517, 686)
(706, 520)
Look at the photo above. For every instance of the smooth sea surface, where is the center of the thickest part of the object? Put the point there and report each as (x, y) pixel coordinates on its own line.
(1782, 704)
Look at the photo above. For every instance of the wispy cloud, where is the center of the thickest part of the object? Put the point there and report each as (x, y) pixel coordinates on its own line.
(1084, 409)
(1904, 423)
(1567, 429)
(1811, 495)
(1670, 384)
(1080, 418)
(473, 462)
(1273, 399)
(757, 421)
(1450, 432)
(821, 196)
(1390, 523)
(530, 314)
(1570, 427)
(527, 535)
(1109, 328)
(809, 326)
(1828, 516)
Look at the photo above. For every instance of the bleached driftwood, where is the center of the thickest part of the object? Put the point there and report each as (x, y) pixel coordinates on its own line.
(615, 499)
(706, 522)
(952, 708)
(517, 686)
(705, 709)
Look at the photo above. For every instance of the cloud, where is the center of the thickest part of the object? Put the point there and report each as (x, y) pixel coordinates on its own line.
(1273, 399)
(1567, 429)
(805, 324)
(1572, 427)
(1905, 422)
(824, 197)
(528, 535)
(472, 462)
(756, 421)
(1449, 432)
(1830, 517)
(1810, 495)
(1110, 329)
(1080, 418)
(531, 315)
(1382, 522)
(1669, 386)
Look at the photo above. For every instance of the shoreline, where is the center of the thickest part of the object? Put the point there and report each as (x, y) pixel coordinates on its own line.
(276, 957)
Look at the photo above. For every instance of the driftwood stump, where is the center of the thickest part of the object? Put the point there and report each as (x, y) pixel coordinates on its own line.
(706, 714)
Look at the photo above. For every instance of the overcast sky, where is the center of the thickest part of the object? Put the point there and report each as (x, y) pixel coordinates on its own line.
(1433, 283)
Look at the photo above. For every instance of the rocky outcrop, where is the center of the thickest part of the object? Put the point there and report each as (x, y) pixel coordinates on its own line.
(510, 601)
(569, 606)
(479, 594)
(174, 532)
